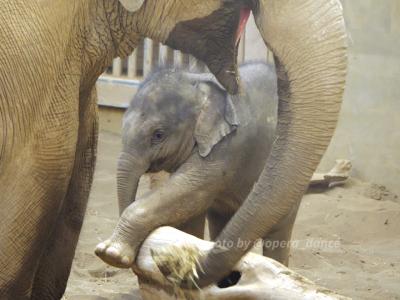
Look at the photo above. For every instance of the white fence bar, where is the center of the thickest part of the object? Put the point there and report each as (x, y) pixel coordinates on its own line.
(178, 59)
(270, 56)
(132, 64)
(192, 63)
(163, 56)
(117, 67)
(147, 57)
(241, 48)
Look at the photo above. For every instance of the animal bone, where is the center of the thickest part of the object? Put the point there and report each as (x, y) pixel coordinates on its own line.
(261, 277)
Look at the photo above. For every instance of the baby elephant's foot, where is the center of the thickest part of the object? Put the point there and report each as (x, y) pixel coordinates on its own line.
(116, 253)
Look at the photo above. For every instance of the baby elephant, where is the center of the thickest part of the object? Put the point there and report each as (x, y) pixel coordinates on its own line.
(215, 145)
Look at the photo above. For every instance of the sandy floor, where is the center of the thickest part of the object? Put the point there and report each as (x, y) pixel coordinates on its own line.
(347, 239)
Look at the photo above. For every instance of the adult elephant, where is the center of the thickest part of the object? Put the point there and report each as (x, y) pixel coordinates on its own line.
(52, 52)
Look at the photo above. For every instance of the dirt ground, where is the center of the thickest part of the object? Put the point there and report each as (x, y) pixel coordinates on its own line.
(347, 239)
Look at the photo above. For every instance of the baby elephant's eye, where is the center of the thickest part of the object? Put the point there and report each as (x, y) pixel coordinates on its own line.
(158, 136)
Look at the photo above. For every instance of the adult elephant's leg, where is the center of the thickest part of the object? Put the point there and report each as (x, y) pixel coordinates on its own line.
(24, 228)
(276, 243)
(34, 182)
(55, 265)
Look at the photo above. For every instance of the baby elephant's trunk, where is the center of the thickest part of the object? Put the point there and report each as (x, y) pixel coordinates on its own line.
(129, 171)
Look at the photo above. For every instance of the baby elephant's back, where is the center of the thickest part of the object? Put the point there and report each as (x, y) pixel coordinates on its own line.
(256, 106)
(259, 88)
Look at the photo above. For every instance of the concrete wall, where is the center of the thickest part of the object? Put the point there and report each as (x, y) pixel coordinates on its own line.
(368, 132)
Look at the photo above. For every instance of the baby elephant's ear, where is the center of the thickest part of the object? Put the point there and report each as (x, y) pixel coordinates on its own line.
(132, 5)
(217, 118)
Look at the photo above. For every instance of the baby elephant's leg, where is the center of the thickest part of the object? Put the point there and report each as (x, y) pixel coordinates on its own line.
(276, 243)
(216, 222)
(184, 196)
(195, 226)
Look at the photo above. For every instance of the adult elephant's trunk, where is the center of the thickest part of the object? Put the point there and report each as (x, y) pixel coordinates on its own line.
(308, 39)
(130, 169)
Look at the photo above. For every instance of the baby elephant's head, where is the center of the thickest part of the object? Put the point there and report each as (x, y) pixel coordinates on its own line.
(172, 115)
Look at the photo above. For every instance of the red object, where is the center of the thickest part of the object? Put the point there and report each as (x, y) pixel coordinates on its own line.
(244, 16)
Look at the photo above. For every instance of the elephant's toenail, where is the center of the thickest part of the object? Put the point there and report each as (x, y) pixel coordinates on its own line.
(112, 251)
(100, 247)
(126, 260)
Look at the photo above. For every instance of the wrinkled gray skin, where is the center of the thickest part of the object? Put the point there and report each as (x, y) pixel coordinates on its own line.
(308, 39)
(52, 52)
(177, 122)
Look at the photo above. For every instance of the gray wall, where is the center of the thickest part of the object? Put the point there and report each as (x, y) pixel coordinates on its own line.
(368, 132)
